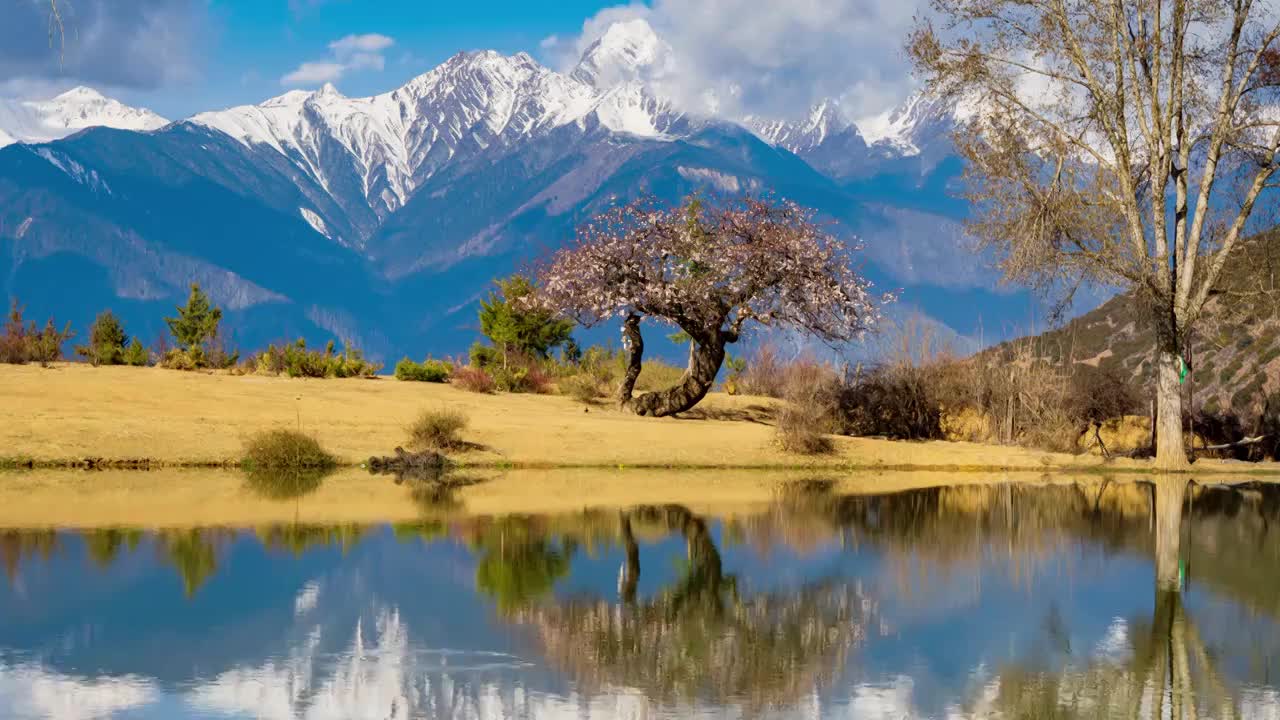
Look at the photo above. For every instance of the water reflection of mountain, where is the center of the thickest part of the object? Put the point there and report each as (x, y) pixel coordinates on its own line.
(963, 602)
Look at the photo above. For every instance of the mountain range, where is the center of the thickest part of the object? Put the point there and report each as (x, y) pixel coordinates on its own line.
(382, 220)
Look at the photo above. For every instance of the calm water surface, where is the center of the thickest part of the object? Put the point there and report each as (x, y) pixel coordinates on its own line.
(1096, 599)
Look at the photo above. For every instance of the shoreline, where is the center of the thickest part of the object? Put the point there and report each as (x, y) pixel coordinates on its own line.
(215, 498)
(1103, 467)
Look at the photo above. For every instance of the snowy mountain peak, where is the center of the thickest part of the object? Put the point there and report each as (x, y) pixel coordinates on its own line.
(911, 126)
(80, 93)
(628, 51)
(327, 92)
(74, 110)
(825, 120)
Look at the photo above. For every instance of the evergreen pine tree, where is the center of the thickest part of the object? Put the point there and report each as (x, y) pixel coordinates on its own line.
(197, 321)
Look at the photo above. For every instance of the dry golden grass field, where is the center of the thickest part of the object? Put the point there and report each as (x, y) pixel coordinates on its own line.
(73, 411)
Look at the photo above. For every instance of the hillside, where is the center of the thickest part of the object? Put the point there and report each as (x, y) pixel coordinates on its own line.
(1235, 350)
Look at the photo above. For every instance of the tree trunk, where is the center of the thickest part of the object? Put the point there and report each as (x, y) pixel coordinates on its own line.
(705, 358)
(1171, 453)
(1170, 494)
(633, 342)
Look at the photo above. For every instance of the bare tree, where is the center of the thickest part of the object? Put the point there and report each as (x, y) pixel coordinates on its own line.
(712, 271)
(1120, 141)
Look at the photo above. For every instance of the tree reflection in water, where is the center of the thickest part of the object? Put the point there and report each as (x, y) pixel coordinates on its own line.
(1169, 671)
(707, 636)
(700, 638)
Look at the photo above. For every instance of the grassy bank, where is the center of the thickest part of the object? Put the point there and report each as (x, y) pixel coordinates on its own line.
(76, 414)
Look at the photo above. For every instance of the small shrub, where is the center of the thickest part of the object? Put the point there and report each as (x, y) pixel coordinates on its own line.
(136, 354)
(296, 361)
(1095, 395)
(429, 370)
(811, 409)
(582, 387)
(46, 346)
(106, 344)
(285, 449)
(22, 343)
(186, 360)
(523, 378)
(437, 430)
(655, 374)
(483, 356)
(899, 401)
(763, 374)
(472, 379)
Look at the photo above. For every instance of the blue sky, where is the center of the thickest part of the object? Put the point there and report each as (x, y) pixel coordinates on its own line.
(179, 57)
(253, 44)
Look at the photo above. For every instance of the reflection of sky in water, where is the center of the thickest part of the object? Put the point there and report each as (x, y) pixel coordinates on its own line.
(394, 628)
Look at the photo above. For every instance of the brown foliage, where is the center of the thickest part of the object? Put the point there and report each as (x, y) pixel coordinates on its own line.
(811, 410)
(437, 430)
(472, 380)
(22, 343)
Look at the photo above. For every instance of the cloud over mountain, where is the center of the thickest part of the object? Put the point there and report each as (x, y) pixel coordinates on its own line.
(352, 52)
(741, 57)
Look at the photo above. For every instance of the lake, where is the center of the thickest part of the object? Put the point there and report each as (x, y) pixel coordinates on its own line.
(770, 597)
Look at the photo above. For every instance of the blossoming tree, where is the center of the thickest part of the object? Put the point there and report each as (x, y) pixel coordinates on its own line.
(712, 270)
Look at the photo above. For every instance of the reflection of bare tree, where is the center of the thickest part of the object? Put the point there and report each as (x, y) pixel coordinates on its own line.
(18, 545)
(1169, 671)
(297, 538)
(700, 637)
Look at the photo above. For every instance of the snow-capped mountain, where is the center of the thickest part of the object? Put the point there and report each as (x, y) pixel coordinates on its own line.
(382, 219)
(37, 121)
(383, 148)
(913, 126)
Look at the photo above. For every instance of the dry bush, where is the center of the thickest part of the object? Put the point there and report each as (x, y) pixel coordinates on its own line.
(472, 379)
(908, 395)
(285, 449)
(1028, 399)
(582, 387)
(897, 401)
(811, 410)
(764, 375)
(437, 430)
(521, 378)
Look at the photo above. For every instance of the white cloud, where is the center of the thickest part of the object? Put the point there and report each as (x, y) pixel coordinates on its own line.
(347, 54)
(737, 57)
(369, 43)
(34, 691)
(314, 73)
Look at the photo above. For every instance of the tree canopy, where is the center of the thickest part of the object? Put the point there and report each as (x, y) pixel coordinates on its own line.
(196, 322)
(712, 270)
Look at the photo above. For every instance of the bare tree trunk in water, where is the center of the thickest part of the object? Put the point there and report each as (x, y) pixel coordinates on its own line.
(1170, 493)
(706, 355)
(1171, 453)
(631, 569)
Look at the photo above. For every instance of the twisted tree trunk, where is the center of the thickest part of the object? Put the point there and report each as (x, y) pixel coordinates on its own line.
(706, 355)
